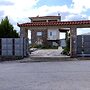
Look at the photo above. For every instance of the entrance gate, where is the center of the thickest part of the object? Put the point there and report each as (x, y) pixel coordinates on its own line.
(13, 47)
(83, 45)
(53, 23)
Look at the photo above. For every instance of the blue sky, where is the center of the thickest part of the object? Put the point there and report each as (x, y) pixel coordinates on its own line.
(54, 2)
(18, 11)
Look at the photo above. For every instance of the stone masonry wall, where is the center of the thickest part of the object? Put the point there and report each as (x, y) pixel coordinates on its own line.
(34, 37)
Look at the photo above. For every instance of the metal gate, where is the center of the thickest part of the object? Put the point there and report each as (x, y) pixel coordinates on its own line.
(13, 47)
(83, 45)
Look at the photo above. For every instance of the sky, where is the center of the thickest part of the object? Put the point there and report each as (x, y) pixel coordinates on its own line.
(18, 11)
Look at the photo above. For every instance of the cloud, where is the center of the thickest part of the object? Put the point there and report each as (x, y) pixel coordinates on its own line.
(19, 11)
(79, 6)
(76, 17)
(65, 12)
(6, 3)
(52, 9)
(16, 10)
(1, 13)
(27, 8)
(20, 8)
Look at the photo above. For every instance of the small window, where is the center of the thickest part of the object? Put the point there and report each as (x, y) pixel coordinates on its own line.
(50, 33)
(39, 33)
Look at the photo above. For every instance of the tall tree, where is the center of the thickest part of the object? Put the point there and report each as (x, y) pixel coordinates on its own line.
(7, 29)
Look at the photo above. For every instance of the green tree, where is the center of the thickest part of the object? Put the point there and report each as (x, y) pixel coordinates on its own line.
(7, 29)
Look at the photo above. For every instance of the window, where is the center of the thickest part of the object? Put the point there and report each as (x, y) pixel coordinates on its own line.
(53, 33)
(39, 33)
(50, 33)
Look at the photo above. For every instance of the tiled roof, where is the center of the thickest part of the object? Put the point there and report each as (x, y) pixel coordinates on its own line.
(83, 22)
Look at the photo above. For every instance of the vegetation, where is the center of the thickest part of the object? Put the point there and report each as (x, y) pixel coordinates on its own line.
(66, 50)
(7, 29)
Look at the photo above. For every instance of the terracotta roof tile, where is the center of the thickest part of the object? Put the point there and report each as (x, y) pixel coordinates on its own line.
(55, 23)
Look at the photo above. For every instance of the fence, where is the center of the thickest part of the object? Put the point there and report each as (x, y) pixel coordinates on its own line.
(13, 47)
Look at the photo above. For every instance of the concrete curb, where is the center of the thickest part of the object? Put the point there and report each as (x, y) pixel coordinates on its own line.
(47, 59)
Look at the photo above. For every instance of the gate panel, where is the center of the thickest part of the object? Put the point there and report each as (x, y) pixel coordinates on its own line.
(79, 44)
(83, 45)
(13, 47)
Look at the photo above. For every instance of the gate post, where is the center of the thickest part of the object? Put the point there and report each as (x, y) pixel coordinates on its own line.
(73, 42)
(24, 35)
(23, 32)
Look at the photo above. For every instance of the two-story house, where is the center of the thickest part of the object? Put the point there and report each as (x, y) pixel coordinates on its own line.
(41, 32)
(45, 36)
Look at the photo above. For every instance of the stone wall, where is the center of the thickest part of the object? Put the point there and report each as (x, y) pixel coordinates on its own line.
(42, 38)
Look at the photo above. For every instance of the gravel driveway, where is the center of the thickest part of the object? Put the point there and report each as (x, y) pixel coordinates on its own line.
(47, 53)
(65, 75)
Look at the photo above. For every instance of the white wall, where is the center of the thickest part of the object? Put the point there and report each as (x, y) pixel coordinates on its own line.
(55, 34)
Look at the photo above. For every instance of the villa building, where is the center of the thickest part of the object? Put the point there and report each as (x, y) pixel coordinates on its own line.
(48, 35)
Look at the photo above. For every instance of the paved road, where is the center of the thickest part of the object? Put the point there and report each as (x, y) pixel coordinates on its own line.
(67, 75)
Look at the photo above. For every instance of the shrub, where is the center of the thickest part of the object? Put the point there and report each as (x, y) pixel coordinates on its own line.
(66, 50)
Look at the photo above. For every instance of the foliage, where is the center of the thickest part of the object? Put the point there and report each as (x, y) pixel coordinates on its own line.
(66, 51)
(67, 48)
(7, 29)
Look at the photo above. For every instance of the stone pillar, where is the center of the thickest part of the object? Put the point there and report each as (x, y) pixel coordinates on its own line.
(23, 32)
(24, 35)
(73, 42)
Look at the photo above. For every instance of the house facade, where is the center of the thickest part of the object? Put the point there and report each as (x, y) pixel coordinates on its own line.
(48, 36)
